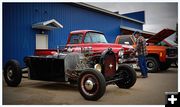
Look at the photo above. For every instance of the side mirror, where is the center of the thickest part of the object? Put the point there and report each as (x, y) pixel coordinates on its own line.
(126, 43)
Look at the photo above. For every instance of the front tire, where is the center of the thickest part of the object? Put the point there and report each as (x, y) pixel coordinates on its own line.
(152, 64)
(91, 84)
(12, 73)
(128, 76)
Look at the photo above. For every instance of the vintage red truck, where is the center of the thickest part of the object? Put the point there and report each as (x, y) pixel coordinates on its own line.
(159, 57)
(94, 42)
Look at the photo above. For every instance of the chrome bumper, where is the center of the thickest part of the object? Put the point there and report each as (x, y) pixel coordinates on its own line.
(129, 60)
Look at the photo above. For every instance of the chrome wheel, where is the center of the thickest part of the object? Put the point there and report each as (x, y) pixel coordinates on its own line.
(89, 84)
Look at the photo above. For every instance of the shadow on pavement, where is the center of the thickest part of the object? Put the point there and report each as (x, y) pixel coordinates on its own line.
(57, 86)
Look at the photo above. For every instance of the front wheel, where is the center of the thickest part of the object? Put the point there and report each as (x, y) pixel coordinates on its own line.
(128, 76)
(12, 73)
(91, 84)
(152, 64)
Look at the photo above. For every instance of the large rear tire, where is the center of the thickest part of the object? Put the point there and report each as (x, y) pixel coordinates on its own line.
(91, 84)
(12, 73)
(152, 64)
(128, 76)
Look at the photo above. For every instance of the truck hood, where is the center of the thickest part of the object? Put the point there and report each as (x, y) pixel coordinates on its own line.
(125, 47)
(99, 47)
(160, 36)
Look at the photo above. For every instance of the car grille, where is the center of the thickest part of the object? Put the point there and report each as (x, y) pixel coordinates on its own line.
(171, 51)
(126, 56)
(109, 64)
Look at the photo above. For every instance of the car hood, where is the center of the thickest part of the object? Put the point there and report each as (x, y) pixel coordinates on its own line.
(99, 47)
(118, 46)
(160, 36)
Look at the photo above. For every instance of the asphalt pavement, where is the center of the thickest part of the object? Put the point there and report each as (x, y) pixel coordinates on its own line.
(146, 91)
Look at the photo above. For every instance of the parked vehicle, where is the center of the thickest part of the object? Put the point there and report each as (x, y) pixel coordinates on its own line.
(71, 68)
(159, 57)
(96, 43)
(170, 42)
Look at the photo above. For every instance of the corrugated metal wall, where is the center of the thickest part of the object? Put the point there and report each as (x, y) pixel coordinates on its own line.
(19, 37)
(128, 23)
(140, 15)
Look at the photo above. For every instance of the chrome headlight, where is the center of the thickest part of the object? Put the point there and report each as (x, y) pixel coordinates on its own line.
(69, 49)
(98, 67)
(117, 66)
(121, 53)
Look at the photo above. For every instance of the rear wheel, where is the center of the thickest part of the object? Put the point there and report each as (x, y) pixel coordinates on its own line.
(152, 64)
(91, 84)
(12, 73)
(128, 76)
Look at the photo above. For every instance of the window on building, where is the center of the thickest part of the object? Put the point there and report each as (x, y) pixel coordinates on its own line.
(41, 41)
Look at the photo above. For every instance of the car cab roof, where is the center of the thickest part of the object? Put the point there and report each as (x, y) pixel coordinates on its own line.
(84, 31)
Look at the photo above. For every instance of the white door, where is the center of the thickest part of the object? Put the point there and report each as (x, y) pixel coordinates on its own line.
(41, 41)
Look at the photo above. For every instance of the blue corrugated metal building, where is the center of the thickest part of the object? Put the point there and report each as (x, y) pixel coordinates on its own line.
(19, 38)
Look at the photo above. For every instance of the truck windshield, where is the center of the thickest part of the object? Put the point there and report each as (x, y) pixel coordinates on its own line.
(125, 40)
(93, 37)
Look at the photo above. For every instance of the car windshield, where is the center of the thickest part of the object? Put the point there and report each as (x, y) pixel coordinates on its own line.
(76, 38)
(125, 40)
(93, 37)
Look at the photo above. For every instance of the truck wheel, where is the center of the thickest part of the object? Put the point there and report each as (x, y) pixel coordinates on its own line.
(91, 84)
(164, 66)
(152, 64)
(128, 76)
(12, 73)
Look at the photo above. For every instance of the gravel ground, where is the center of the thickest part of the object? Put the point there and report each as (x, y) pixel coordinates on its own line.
(149, 91)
